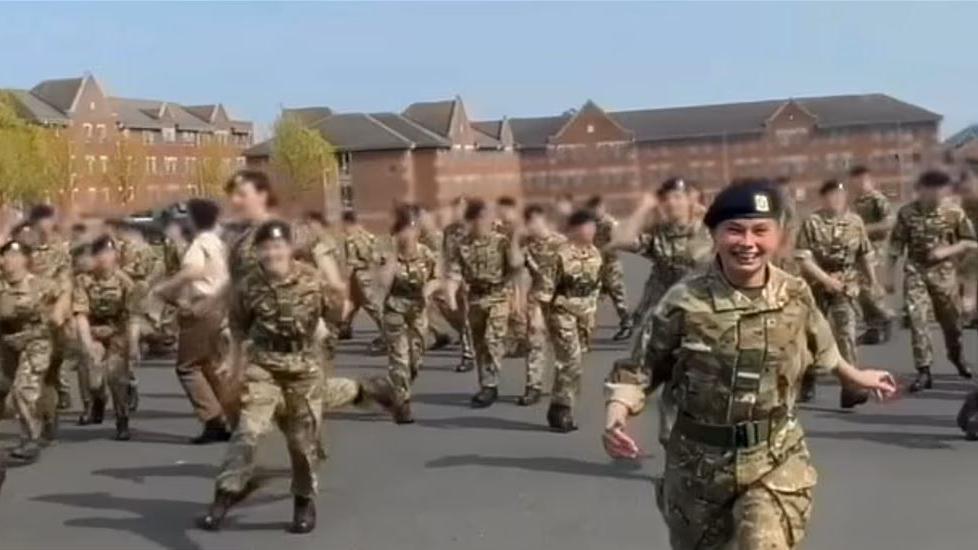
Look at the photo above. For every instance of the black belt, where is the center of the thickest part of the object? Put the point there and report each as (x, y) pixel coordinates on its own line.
(485, 289)
(12, 327)
(576, 292)
(281, 345)
(742, 435)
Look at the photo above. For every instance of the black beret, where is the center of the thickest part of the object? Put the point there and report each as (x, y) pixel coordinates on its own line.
(103, 243)
(758, 199)
(934, 178)
(670, 185)
(274, 229)
(13, 245)
(404, 217)
(41, 212)
(474, 209)
(581, 217)
(831, 185)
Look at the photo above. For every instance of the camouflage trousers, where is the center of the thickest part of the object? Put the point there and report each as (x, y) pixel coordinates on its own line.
(294, 401)
(405, 347)
(459, 320)
(488, 318)
(363, 296)
(652, 291)
(516, 326)
(840, 312)
(713, 500)
(537, 338)
(937, 288)
(570, 332)
(872, 298)
(23, 378)
(613, 285)
(109, 369)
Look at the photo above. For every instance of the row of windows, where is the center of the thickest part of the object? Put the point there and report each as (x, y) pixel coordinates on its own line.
(99, 132)
(170, 165)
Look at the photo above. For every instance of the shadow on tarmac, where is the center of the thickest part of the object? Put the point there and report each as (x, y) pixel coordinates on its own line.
(561, 465)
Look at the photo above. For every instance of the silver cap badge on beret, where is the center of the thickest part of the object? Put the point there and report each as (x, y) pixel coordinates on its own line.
(761, 203)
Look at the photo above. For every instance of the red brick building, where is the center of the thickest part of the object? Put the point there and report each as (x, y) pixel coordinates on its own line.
(134, 153)
(433, 152)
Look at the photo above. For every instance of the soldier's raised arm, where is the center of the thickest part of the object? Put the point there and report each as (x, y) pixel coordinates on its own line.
(626, 236)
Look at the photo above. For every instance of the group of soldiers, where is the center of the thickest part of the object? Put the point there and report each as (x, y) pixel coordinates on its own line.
(256, 306)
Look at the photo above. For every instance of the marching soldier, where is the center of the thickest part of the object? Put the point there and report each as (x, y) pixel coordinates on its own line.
(439, 327)
(409, 277)
(29, 306)
(612, 275)
(454, 233)
(932, 233)
(486, 261)
(507, 219)
(361, 260)
(541, 245)
(276, 308)
(107, 304)
(834, 252)
(968, 267)
(877, 214)
(733, 342)
(575, 280)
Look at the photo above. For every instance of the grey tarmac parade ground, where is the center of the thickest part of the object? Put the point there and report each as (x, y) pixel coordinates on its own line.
(894, 476)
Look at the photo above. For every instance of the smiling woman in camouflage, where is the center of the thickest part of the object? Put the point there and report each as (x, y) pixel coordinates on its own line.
(733, 342)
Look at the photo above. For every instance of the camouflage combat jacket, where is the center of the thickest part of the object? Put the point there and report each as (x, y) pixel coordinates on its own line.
(483, 263)
(109, 301)
(53, 261)
(541, 258)
(435, 241)
(25, 309)
(452, 238)
(242, 256)
(836, 244)
(361, 250)
(137, 260)
(873, 207)
(411, 275)
(918, 230)
(279, 316)
(605, 231)
(576, 278)
(674, 250)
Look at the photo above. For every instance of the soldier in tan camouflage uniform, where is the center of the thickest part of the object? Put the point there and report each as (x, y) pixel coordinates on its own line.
(932, 233)
(968, 266)
(877, 214)
(734, 343)
(612, 275)
(454, 233)
(574, 276)
(540, 246)
(834, 252)
(485, 261)
(409, 277)
(507, 219)
(107, 304)
(439, 327)
(276, 308)
(362, 259)
(28, 309)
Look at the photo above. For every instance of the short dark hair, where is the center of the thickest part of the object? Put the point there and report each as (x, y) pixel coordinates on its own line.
(580, 217)
(475, 209)
(934, 178)
(41, 212)
(203, 213)
(506, 201)
(532, 211)
(404, 216)
(594, 202)
(858, 170)
(258, 179)
(349, 216)
(273, 229)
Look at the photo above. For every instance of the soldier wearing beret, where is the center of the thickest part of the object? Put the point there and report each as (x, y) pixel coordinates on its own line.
(932, 233)
(362, 259)
(733, 343)
(834, 253)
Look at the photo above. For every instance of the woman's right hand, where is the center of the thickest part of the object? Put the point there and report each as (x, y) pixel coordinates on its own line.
(617, 443)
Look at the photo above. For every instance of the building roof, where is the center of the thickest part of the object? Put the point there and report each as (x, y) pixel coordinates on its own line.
(309, 115)
(418, 135)
(962, 137)
(530, 133)
(35, 109)
(207, 113)
(360, 132)
(61, 93)
(433, 115)
(143, 114)
(263, 149)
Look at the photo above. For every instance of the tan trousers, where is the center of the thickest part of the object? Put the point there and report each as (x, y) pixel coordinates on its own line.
(199, 355)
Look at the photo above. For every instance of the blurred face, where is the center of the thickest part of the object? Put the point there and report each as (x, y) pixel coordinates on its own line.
(695, 196)
(507, 213)
(85, 262)
(407, 237)
(13, 263)
(584, 233)
(864, 182)
(835, 201)
(248, 202)
(537, 225)
(565, 207)
(105, 260)
(426, 220)
(483, 223)
(46, 226)
(173, 232)
(745, 246)
(275, 255)
(446, 215)
(458, 211)
(932, 196)
(675, 205)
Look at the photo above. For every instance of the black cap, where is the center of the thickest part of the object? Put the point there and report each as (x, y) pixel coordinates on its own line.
(41, 212)
(274, 229)
(758, 199)
(13, 245)
(670, 185)
(102, 244)
(934, 178)
(830, 186)
(581, 217)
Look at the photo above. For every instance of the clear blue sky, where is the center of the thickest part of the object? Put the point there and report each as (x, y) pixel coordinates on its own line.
(504, 59)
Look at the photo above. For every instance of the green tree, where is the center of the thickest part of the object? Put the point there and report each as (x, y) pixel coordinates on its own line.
(302, 155)
(213, 167)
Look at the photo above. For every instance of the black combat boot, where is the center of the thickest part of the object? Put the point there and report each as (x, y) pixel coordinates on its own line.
(28, 451)
(484, 398)
(345, 333)
(303, 516)
(887, 332)
(122, 429)
(849, 398)
(624, 331)
(85, 418)
(403, 414)
(809, 384)
(64, 400)
(871, 337)
(964, 368)
(378, 346)
(49, 430)
(530, 397)
(560, 419)
(215, 431)
(467, 365)
(98, 409)
(968, 416)
(440, 341)
(223, 501)
(923, 380)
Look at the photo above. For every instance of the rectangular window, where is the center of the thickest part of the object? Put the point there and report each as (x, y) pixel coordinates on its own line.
(150, 165)
(149, 137)
(344, 162)
(90, 163)
(100, 130)
(87, 129)
(104, 162)
(169, 135)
